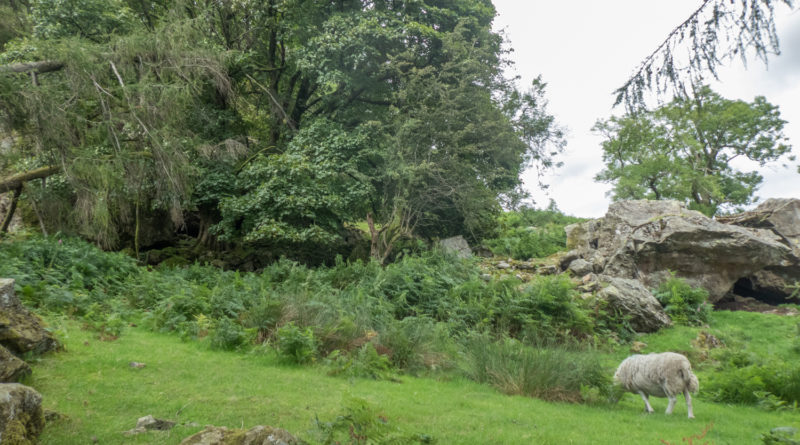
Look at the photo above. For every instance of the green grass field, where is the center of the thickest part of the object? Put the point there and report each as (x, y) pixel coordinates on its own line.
(92, 384)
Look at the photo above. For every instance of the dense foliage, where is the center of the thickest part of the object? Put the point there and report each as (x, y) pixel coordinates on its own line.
(273, 124)
(530, 233)
(683, 303)
(684, 150)
(414, 315)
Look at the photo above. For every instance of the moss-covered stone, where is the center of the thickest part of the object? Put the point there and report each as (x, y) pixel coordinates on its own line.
(21, 330)
(21, 416)
(12, 369)
(258, 435)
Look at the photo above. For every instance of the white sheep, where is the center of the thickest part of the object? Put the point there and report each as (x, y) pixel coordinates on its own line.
(661, 375)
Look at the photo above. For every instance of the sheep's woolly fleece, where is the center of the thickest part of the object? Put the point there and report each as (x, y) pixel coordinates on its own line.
(661, 375)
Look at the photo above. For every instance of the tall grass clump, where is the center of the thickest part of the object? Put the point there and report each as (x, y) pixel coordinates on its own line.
(531, 233)
(548, 372)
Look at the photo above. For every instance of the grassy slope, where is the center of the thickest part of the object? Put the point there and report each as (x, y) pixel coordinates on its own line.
(102, 396)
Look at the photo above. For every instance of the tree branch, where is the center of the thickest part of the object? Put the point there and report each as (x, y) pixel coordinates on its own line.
(44, 66)
(15, 181)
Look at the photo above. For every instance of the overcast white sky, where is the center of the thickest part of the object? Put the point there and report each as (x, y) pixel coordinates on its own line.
(585, 49)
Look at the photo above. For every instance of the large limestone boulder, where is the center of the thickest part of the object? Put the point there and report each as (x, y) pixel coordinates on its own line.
(21, 416)
(649, 240)
(258, 435)
(780, 215)
(631, 298)
(456, 245)
(12, 369)
(21, 331)
(774, 282)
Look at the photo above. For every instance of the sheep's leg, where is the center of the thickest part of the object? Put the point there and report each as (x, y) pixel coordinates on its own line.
(646, 402)
(671, 404)
(688, 397)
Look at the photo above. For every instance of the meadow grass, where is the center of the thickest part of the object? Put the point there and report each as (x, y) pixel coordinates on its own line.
(92, 384)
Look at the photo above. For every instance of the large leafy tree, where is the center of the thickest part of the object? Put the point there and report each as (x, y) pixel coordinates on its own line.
(436, 134)
(683, 150)
(273, 123)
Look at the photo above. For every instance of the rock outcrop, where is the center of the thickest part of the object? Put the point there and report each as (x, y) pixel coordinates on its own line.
(649, 240)
(12, 369)
(456, 245)
(631, 298)
(258, 435)
(21, 417)
(21, 331)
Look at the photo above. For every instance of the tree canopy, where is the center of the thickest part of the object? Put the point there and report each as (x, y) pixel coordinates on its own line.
(273, 123)
(684, 150)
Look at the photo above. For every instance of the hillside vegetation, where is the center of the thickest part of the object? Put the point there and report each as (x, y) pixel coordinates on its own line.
(429, 342)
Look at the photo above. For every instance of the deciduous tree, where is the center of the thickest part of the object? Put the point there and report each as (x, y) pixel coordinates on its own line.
(684, 150)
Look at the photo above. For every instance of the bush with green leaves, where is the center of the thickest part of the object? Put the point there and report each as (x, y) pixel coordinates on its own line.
(546, 309)
(686, 305)
(754, 381)
(530, 233)
(227, 335)
(364, 362)
(419, 344)
(363, 423)
(295, 344)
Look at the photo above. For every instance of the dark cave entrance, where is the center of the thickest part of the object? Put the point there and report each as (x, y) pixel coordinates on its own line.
(746, 295)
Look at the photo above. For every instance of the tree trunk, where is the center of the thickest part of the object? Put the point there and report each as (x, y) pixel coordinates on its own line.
(374, 236)
(15, 181)
(11, 209)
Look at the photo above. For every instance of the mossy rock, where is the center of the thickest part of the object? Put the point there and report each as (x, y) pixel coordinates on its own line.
(258, 435)
(22, 331)
(175, 261)
(21, 415)
(12, 369)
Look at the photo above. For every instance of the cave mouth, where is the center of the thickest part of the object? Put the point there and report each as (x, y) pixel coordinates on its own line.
(744, 295)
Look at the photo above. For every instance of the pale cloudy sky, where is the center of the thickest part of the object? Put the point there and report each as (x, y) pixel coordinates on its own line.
(585, 49)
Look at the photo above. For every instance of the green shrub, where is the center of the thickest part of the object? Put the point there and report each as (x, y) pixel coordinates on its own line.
(64, 274)
(108, 323)
(531, 233)
(227, 335)
(363, 423)
(686, 305)
(179, 308)
(263, 315)
(546, 309)
(418, 344)
(364, 362)
(419, 285)
(754, 383)
(551, 373)
(295, 344)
